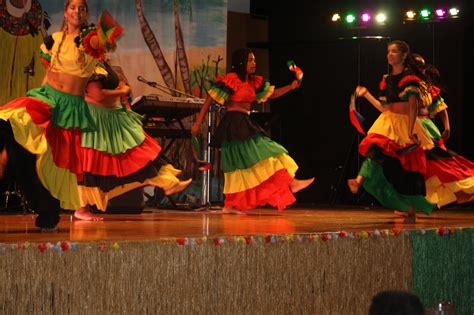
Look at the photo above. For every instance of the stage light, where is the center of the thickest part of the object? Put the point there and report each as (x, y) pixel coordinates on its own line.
(410, 15)
(425, 14)
(381, 18)
(454, 12)
(350, 18)
(366, 17)
(440, 13)
(336, 17)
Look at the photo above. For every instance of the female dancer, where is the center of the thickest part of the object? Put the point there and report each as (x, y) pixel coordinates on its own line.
(449, 177)
(395, 161)
(85, 154)
(257, 170)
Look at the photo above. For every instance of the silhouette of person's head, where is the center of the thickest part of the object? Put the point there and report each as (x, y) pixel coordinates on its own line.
(396, 303)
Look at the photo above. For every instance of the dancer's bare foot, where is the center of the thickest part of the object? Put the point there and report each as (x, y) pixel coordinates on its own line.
(353, 185)
(231, 210)
(178, 187)
(411, 216)
(298, 184)
(85, 215)
(3, 162)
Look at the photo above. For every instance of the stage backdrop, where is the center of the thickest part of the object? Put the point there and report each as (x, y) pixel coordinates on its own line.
(177, 43)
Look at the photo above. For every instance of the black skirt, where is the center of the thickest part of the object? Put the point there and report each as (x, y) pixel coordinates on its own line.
(235, 126)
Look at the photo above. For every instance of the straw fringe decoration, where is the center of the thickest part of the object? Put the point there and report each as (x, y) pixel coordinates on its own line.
(311, 277)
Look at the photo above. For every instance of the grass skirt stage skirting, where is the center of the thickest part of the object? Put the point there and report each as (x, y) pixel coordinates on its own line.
(329, 273)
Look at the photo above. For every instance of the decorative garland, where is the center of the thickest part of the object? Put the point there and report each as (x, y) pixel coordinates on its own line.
(246, 240)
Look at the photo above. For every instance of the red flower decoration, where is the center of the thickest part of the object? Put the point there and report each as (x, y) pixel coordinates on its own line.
(181, 241)
(268, 239)
(65, 246)
(342, 234)
(42, 247)
(325, 237)
(248, 240)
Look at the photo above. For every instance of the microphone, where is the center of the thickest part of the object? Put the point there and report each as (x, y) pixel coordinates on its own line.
(142, 79)
(30, 68)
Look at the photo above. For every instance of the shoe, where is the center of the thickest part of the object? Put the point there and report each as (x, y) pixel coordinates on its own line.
(178, 187)
(48, 229)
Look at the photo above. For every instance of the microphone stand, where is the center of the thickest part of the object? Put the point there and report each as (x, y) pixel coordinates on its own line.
(29, 70)
(206, 178)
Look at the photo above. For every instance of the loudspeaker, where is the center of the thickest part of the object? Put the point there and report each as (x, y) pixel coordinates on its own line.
(132, 202)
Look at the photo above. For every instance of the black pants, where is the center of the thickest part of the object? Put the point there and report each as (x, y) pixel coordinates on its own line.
(21, 168)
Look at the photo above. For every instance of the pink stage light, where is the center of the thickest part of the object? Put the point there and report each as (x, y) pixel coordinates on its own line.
(440, 13)
(366, 17)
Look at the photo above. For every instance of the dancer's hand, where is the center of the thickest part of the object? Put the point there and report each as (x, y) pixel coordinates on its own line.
(360, 91)
(195, 129)
(295, 84)
(414, 138)
(446, 134)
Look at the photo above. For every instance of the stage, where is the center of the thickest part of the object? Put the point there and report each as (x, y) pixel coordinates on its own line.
(301, 260)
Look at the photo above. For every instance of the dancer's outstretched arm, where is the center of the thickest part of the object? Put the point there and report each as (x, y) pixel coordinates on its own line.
(361, 91)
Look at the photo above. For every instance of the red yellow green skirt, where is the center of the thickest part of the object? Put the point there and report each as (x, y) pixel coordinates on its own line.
(449, 177)
(86, 154)
(257, 170)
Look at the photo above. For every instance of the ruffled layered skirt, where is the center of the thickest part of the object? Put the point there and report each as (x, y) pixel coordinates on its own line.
(86, 154)
(257, 170)
(394, 168)
(449, 177)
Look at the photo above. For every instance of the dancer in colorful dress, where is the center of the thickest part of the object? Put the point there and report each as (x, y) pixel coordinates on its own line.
(257, 170)
(85, 154)
(449, 177)
(395, 160)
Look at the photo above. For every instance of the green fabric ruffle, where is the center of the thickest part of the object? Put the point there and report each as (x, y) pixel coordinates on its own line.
(376, 184)
(67, 110)
(431, 128)
(116, 130)
(245, 154)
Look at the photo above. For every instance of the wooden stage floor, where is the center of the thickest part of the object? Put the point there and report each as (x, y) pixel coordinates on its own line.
(171, 224)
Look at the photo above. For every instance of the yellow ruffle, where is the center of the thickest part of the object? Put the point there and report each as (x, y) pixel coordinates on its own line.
(442, 194)
(268, 93)
(242, 180)
(165, 179)
(216, 97)
(438, 109)
(25, 132)
(395, 127)
(60, 182)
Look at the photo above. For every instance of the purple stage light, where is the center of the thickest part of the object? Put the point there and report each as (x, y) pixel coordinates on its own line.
(440, 13)
(366, 17)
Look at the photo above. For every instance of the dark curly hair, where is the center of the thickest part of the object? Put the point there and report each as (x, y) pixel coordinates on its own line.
(240, 59)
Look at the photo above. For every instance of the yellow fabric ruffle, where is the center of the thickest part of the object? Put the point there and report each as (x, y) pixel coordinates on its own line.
(438, 109)
(165, 179)
(216, 97)
(26, 133)
(268, 93)
(442, 194)
(395, 127)
(242, 180)
(60, 182)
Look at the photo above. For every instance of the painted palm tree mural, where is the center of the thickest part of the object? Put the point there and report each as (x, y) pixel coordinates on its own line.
(181, 61)
(181, 68)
